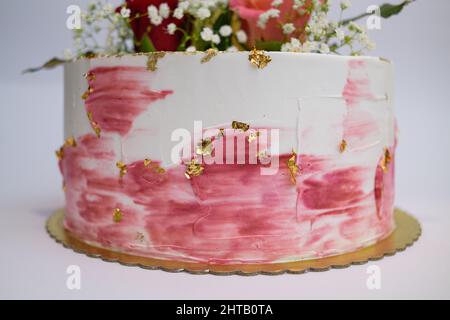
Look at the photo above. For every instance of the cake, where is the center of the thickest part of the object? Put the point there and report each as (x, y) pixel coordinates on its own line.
(289, 156)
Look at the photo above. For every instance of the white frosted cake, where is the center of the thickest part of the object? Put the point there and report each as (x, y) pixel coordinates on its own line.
(288, 162)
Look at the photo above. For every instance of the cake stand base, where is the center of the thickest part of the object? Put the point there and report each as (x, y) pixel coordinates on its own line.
(408, 230)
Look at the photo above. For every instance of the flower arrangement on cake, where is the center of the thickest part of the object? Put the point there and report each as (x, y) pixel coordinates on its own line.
(223, 25)
(219, 134)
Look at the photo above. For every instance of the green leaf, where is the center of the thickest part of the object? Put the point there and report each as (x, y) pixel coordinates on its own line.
(146, 45)
(50, 64)
(387, 10)
(269, 45)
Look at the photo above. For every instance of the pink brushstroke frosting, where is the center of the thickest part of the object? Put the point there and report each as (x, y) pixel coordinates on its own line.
(230, 213)
(119, 95)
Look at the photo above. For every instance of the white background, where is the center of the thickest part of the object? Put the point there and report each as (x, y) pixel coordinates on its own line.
(33, 266)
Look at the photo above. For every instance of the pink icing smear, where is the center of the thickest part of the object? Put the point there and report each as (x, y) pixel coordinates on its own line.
(230, 213)
(120, 94)
(357, 87)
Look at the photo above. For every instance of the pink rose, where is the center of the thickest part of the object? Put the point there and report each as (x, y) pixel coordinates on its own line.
(250, 10)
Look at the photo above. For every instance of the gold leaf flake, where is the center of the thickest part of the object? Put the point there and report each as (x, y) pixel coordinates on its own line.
(147, 162)
(160, 170)
(87, 93)
(205, 147)
(194, 169)
(209, 54)
(70, 142)
(117, 215)
(60, 153)
(386, 160)
(123, 168)
(94, 125)
(90, 55)
(343, 146)
(221, 132)
(293, 167)
(90, 76)
(97, 129)
(240, 126)
(259, 58)
(152, 60)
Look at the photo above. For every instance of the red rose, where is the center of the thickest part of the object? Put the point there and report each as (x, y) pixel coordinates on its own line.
(161, 40)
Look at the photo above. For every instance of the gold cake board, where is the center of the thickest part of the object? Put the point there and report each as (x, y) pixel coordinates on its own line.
(408, 230)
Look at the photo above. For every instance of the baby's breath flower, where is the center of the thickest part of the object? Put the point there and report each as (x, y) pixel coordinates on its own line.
(207, 34)
(293, 46)
(171, 28)
(298, 4)
(355, 27)
(232, 49)
(324, 48)
(340, 35)
(215, 39)
(203, 13)
(152, 11)
(156, 20)
(183, 5)
(310, 46)
(178, 13)
(365, 41)
(164, 10)
(277, 3)
(288, 28)
(108, 9)
(191, 49)
(241, 36)
(225, 31)
(265, 16)
(125, 12)
(345, 4)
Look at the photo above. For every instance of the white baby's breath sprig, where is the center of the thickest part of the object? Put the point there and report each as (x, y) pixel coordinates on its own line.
(104, 30)
(164, 10)
(241, 36)
(225, 31)
(288, 28)
(178, 13)
(203, 13)
(204, 24)
(207, 34)
(265, 16)
(125, 12)
(171, 28)
(216, 39)
(277, 3)
(191, 49)
(345, 4)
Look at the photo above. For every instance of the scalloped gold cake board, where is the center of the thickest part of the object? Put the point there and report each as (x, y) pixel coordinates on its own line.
(408, 230)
